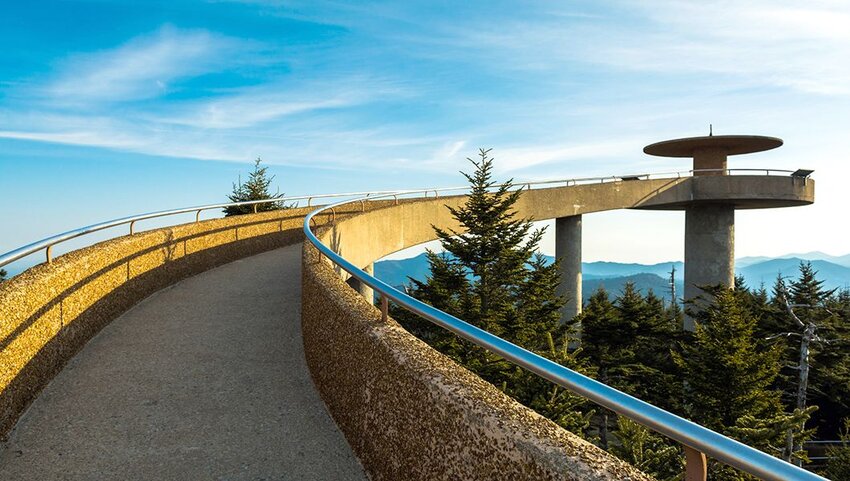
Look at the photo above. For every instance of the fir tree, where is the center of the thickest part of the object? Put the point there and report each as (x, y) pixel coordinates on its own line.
(808, 289)
(607, 338)
(606, 346)
(647, 451)
(656, 376)
(838, 466)
(551, 400)
(256, 188)
(829, 370)
(730, 375)
(3, 275)
(492, 277)
(629, 342)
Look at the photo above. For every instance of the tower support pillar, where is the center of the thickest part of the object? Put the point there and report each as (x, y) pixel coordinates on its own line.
(568, 250)
(709, 249)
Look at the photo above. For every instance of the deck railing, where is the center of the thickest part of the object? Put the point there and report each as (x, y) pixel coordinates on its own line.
(697, 441)
(47, 244)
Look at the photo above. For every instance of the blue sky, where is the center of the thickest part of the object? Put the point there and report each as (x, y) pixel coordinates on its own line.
(109, 108)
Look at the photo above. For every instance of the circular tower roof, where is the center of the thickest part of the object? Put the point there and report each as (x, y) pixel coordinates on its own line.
(729, 144)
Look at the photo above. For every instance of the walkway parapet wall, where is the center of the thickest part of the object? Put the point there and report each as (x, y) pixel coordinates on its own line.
(50, 311)
(408, 411)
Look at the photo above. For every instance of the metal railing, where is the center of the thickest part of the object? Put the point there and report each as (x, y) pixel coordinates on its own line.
(48, 243)
(696, 440)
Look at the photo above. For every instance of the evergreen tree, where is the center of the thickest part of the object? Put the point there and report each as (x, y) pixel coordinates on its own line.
(808, 289)
(829, 370)
(3, 275)
(654, 375)
(647, 451)
(629, 342)
(551, 400)
(755, 302)
(492, 277)
(729, 375)
(776, 328)
(606, 346)
(838, 466)
(256, 188)
(607, 338)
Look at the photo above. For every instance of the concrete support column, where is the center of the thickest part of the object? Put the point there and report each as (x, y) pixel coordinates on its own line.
(709, 249)
(362, 288)
(568, 250)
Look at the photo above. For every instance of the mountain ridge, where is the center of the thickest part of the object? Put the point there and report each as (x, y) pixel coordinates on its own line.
(757, 271)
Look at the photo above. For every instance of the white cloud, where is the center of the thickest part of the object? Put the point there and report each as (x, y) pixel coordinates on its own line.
(251, 106)
(88, 138)
(142, 68)
(801, 46)
(519, 158)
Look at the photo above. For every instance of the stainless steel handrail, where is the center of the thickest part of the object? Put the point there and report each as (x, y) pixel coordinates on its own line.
(690, 434)
(49, 242)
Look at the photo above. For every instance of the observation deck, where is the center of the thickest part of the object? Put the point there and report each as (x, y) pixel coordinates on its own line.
(185, 351)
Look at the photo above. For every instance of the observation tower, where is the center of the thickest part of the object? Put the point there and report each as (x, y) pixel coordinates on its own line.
(709, 194)
(710, 223)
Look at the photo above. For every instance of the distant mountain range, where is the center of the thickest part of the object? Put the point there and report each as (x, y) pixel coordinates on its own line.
(843, 261)
(833, 270)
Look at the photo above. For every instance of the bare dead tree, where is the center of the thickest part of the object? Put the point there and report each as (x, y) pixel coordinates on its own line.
(808, 335)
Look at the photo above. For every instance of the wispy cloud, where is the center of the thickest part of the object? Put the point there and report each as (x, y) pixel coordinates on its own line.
(519, 158)
(802, 46)
(144, 67)
(765, 42)
(251, 106)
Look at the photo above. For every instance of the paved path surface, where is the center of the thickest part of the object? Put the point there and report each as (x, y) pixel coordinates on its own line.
(203, 380)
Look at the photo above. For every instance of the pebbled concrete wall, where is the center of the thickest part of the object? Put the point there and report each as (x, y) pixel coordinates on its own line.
(408, 411)
(411, 413)
(50, 311)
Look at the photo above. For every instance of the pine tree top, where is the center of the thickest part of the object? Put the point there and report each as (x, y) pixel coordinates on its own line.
(808, 289)
(255, 188)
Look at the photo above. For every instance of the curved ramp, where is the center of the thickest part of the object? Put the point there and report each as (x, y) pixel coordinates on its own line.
(203, 380)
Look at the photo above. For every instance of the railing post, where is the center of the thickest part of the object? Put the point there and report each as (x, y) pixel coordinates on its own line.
(48, 252)
(255, 208)
(696, 467)
(385, 305)
(132, 224)
(198, 216)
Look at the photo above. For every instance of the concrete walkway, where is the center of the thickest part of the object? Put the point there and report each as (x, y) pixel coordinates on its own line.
(205, 380)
